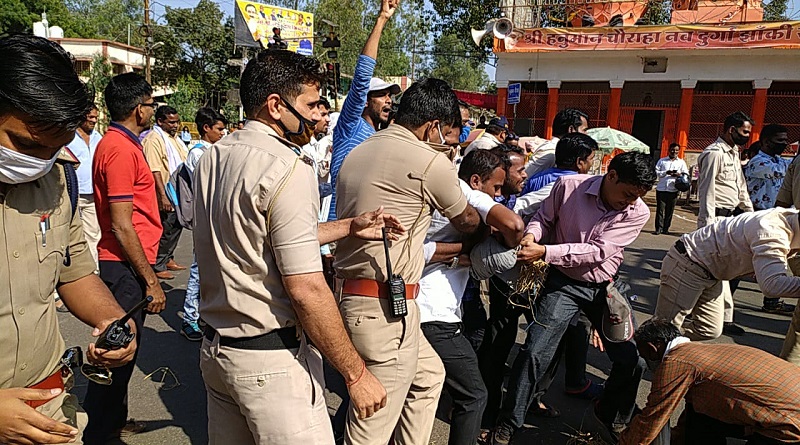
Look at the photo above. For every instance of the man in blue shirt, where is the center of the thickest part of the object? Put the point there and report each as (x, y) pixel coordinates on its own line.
(572, 157)
(368, 103)
(83, 147)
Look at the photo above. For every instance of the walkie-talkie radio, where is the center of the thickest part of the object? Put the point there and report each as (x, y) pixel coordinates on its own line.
(397, 287)
(116, 336)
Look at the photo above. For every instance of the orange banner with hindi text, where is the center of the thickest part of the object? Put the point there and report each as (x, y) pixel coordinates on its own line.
(749, 35)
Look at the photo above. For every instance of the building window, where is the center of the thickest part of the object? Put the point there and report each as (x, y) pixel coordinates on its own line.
(118, 68)
(82, 66)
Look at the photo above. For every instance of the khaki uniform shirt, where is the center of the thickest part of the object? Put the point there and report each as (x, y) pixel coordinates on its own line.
(755, 242)
(256, 208)
(790, 189)
(31, 266)
(721, 184)
(389, 169)
(156, 153)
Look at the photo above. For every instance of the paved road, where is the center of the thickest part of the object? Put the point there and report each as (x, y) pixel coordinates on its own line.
(176, 414)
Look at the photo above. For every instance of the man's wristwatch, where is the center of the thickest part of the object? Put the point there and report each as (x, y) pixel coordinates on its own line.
(454, 263)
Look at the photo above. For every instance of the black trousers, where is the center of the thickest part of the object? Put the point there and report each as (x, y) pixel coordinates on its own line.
(169, 239)
(107, 406)
(665, 207)
(462, 379)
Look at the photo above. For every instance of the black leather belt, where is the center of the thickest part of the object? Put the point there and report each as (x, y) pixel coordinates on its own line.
(680, 247)
(586, 284)
(723, 212)
(285, 338)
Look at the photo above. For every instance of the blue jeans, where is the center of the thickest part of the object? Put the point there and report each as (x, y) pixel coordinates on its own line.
(562, 298)
(192, 299)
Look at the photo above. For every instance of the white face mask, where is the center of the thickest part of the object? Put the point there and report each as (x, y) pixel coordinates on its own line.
(18, 168)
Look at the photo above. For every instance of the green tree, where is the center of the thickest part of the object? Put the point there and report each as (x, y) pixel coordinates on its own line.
(459, 17)
(197, 45)
(108, 19)
(19, 15)
(355, 20)
(775, 11)
(659, 12)
(187, 98)
(454, 63)
(98, 75)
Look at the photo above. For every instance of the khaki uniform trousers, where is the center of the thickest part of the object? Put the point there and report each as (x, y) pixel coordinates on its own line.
(687, 288)
(265, 397)
(65, 409)
(791, 346)
(400, 357)
(91, 228)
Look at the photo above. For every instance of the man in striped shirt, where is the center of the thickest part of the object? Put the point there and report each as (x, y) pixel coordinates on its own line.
(368, 103)
(730, 390)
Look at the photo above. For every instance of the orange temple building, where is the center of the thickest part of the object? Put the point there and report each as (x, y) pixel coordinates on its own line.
(660, 83)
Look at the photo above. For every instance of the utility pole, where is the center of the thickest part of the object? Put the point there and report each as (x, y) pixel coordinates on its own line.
(413, 54)
(148, 40)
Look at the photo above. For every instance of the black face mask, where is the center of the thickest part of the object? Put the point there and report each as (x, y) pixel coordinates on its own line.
(778, 147)
(304, 133)
(738, 138)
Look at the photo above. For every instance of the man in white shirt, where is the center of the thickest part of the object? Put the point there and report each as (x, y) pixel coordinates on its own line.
(442, 286)
(668, 169)
(211, 125)
(723, 191)
(693, 271)
(83, 147)
(566, 121)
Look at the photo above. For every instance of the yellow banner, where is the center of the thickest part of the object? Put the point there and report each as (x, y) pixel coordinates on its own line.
(258, 22)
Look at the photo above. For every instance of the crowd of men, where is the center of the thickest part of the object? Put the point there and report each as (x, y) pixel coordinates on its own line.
(367, 241)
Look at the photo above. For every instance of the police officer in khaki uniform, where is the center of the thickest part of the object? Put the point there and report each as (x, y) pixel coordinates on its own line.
(262, 291)
(722, 190)
(402, 168)
(42, 102)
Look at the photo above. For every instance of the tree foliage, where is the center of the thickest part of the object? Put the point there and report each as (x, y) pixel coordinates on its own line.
(197, 43)
(775, 11)
(98, 76)
(108, 19)
(187, 98)
(452, 62)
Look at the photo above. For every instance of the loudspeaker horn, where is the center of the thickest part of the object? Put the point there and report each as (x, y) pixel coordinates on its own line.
(502, 28)
(478, 34)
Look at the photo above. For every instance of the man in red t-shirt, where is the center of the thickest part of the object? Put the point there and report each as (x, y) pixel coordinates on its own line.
(124, 194)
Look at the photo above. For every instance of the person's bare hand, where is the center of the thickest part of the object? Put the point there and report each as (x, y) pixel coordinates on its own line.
(388, 7)
(21, 424)
(529, 250)
(110, 358)
(368, 225)
(159, 299)
(164, 205)
(464, 260)
(368, 395)
(597, 342)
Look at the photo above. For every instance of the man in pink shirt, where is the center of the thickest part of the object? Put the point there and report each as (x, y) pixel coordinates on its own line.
(581, 230)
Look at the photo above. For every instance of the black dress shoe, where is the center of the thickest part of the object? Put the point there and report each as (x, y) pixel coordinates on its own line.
(657, 232)
(731, 328)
